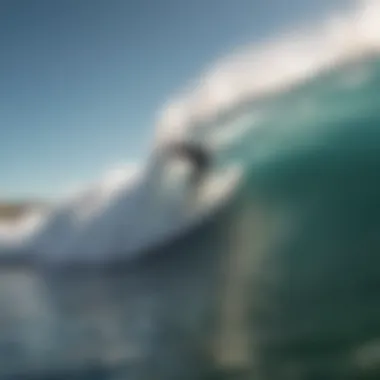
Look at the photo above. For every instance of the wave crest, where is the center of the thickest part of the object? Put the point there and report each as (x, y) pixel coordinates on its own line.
(274, 66)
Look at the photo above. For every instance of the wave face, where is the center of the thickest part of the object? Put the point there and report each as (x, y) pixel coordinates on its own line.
(280, 279)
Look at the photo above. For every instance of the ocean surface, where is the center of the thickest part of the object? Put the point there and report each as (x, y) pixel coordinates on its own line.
(268, 270)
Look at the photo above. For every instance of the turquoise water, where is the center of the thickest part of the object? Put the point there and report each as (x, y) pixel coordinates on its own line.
(314, 294)
(282, 282)
(311, 184)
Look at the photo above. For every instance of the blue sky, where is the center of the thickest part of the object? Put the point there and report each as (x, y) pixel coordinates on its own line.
(81, 81)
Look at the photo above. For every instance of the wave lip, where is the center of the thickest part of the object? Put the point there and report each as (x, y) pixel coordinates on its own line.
(276, 65)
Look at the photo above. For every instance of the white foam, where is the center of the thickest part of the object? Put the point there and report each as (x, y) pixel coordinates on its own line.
(17, 232)
(93, 198)
(274, 66)
(73, 216)
(46, 231)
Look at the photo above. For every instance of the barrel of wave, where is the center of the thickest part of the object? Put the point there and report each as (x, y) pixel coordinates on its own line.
(313, 269)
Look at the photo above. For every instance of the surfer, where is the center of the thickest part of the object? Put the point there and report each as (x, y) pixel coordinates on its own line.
(193, 160)
(196, 154)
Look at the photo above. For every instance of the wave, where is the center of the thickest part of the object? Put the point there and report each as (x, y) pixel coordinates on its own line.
(118, 214)
(291, 206)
